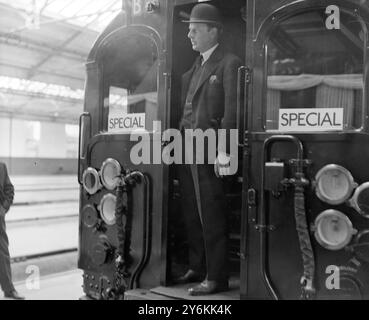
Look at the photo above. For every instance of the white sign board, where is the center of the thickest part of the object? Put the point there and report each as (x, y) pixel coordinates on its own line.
(120, 120)
(126, 122)
(309, 120)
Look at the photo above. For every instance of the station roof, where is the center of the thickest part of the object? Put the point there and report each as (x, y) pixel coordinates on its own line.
(43, 48)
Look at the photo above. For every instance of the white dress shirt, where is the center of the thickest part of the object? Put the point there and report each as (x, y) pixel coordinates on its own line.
(206, 55)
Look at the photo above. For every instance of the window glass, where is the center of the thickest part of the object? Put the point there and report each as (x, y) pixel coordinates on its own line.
(130, 68)
(315, 74)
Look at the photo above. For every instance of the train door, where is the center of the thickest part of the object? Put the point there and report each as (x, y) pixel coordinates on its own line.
(124, 109)
(307, 142)
(181, 59)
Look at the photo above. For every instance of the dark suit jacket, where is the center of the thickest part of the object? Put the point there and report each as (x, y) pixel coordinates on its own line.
(214, 105)
(6, 188)
(215, 101)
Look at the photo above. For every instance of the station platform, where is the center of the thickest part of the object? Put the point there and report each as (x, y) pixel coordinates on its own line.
(60, 286)
(42, 227)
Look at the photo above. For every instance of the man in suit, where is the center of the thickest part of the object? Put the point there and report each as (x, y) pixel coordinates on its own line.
(209, 91)
(6, 200)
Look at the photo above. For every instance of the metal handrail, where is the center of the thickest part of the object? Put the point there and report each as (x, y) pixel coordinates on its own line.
(262, 221)
(81, 141)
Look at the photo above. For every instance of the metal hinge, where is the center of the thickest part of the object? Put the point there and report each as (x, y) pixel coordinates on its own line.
(251, 202)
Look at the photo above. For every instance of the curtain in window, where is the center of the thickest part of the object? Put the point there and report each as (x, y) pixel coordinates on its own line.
(335, 97)
(273, 106)
(305, 81)
(289, 83)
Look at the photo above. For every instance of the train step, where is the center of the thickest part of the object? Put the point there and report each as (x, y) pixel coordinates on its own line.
(142, 294)
(180, 292)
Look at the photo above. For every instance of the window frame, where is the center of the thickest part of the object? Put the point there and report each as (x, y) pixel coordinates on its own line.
(263, 36)
(154, 37)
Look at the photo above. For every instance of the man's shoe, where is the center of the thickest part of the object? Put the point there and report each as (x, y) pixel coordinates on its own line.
(13, 295)
(208, 287)
(190, 276)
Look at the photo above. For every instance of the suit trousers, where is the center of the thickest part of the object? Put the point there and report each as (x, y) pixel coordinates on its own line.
(203, 205)
(5, 270)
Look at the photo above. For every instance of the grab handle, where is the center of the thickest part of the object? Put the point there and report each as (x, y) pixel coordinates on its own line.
(240, 85)
(81, 141)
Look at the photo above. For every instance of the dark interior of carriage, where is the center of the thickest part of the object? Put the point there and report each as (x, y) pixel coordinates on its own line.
(233, 39)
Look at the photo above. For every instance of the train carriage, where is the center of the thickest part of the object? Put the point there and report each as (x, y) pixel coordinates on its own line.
(298, 205)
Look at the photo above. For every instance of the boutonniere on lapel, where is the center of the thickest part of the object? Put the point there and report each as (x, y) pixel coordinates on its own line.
(213, 79)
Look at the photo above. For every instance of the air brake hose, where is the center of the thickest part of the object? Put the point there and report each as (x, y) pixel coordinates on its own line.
(307, 280)
(124, 228)
(299, 183)
(120, 214)
(121, 210)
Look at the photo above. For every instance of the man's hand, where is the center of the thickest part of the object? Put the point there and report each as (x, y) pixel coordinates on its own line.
(222, 165)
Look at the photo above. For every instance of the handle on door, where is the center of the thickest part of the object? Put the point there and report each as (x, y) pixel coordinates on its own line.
(81, 140)
(243, 81)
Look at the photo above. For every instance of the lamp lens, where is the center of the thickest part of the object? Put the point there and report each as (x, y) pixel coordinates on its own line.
(110, 172)
(334, 184)
(333, 229)
(91, 181)
(107, 209)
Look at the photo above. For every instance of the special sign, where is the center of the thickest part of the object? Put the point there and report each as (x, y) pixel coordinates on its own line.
(308, 120)
(126, 123)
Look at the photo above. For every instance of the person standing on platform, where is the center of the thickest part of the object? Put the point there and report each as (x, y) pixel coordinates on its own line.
(209, 101)
(6, 200)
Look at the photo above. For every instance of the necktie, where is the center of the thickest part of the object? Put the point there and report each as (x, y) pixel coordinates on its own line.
(196, 77)
(199, 63)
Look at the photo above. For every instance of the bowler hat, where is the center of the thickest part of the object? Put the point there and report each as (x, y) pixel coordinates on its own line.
(205, 13)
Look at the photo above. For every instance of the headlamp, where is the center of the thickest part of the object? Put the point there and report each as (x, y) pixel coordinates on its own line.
(91, 180)
(334, 184)
(110, 172)
(89, 216)
(107, 208)
(333, 229)
(360, 200)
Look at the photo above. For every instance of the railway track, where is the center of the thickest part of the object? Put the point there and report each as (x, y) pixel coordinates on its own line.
(42, 255)
(42, 236)
(43, 221)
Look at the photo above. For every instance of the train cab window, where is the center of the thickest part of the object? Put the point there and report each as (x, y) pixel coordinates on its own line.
(130, 72)
(311, 66)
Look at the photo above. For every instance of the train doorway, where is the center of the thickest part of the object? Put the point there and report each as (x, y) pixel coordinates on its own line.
(233, 39)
